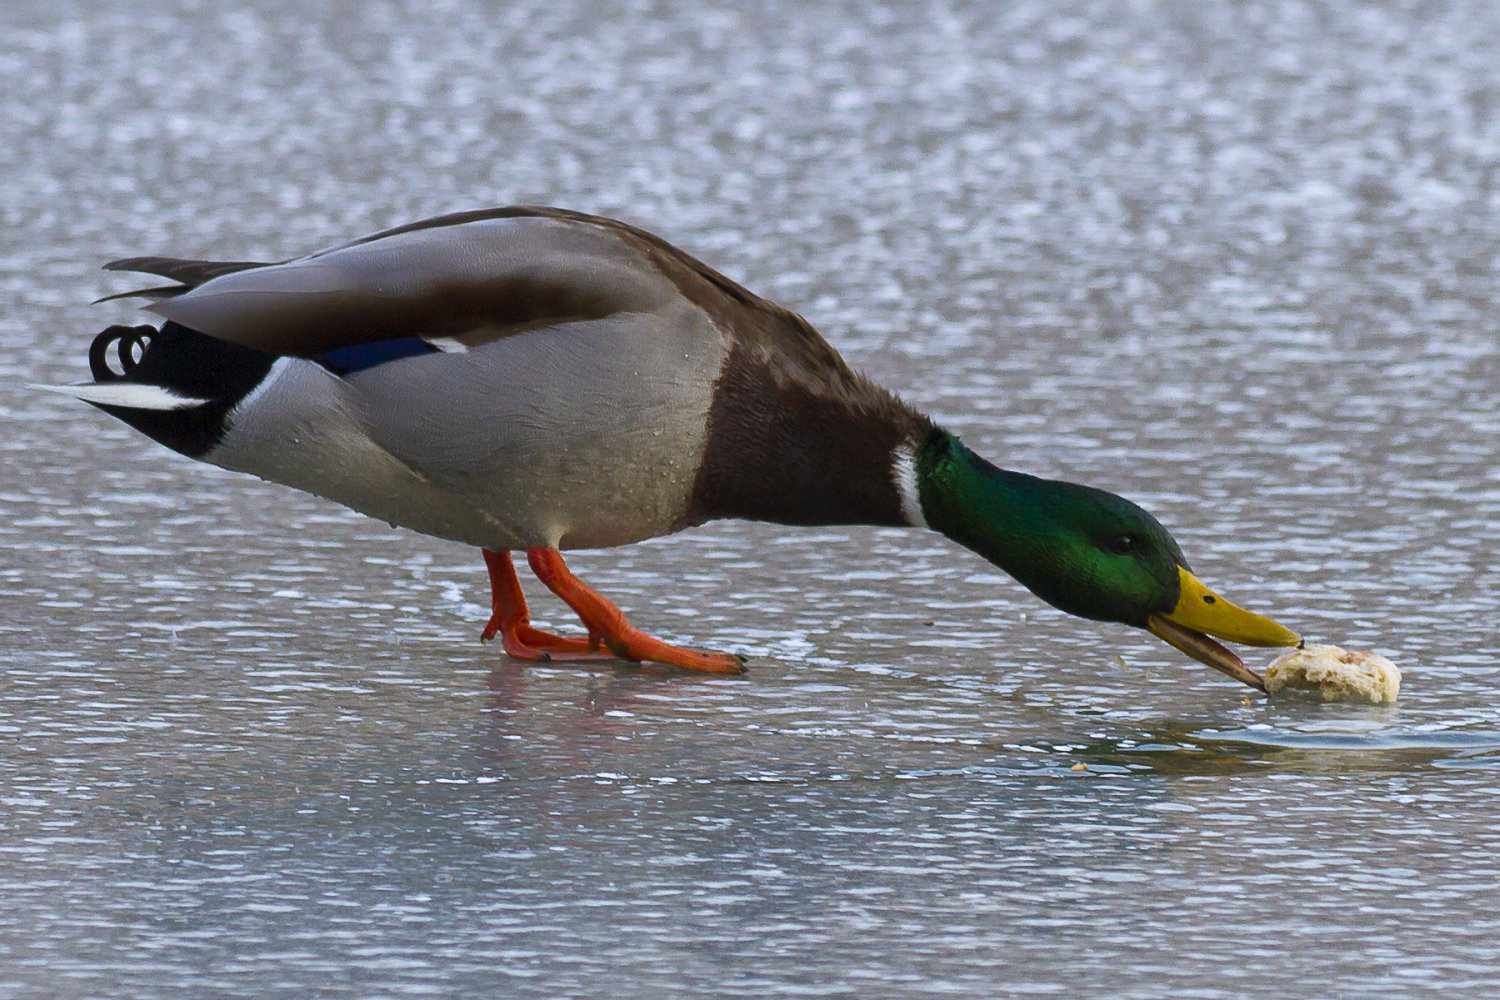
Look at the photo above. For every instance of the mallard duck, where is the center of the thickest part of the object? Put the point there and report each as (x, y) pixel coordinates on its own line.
(539, 380)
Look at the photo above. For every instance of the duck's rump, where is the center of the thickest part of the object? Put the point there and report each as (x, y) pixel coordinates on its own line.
(589, 436)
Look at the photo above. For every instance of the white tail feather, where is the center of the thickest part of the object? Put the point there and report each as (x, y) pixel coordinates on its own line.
(129, 395)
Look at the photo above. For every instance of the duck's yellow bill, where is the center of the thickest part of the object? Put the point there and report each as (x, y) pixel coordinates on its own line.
(1201, 613)
(1201, 610)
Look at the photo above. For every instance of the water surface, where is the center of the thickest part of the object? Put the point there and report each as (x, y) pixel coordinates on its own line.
(1238, 264)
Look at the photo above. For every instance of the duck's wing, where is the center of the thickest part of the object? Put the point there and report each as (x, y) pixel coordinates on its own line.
(471, 278)
(188, 274)
(465, 279)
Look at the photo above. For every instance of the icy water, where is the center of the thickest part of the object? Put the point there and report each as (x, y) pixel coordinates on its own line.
(1235, 261)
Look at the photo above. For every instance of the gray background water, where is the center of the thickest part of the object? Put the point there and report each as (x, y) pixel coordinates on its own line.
(1235, 261)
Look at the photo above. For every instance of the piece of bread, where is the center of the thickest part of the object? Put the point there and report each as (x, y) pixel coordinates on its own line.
(1335, 674)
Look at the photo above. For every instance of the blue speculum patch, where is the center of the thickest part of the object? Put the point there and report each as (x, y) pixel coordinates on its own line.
(347, 360)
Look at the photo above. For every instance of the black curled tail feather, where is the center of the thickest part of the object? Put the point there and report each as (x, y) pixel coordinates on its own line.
(208, 377)
(130, 345)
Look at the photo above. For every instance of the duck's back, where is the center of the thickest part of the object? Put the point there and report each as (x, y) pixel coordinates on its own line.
(475, 276)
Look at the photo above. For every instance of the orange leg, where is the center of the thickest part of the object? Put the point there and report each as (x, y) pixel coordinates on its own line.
(608, 622)
(511, 620)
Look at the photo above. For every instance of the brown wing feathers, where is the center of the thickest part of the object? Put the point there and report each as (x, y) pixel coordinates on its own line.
(188, 273)
(562, 276)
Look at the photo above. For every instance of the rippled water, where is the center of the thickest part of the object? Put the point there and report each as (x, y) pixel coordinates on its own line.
(1237, 262)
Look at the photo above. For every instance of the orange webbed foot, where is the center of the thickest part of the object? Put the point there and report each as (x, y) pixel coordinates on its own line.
(610, 634)
(608, 622)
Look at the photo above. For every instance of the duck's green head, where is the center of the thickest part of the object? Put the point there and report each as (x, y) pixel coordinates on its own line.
(1086, 551)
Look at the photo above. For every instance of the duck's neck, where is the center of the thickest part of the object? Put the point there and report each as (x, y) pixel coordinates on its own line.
(1004, 516)
(786, 447)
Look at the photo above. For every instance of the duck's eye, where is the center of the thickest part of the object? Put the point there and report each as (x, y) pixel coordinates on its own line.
(1123, 545)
